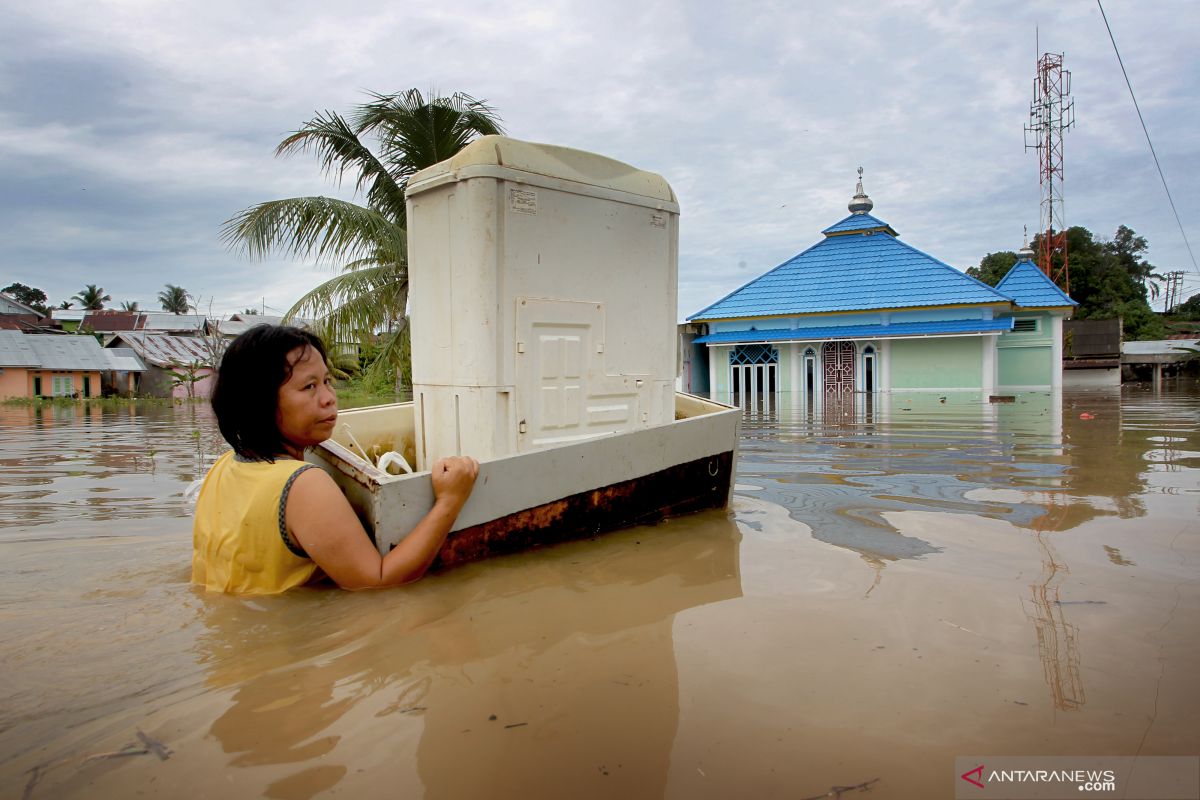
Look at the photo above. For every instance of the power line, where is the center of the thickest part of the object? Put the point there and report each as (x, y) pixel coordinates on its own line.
(1146, 131)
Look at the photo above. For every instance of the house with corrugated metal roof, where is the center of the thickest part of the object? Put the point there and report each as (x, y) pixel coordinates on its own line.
(174, 323)
(238, 324)
(44, 365)
(107, 320)
(17, 316)
(862, 311)
(69, 319)
(166, 353)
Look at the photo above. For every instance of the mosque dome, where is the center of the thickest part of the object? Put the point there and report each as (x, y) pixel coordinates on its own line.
(1026, 252)
(860, 204)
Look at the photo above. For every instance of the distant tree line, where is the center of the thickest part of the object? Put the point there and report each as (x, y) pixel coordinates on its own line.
(174, 299)
(1108, 279)
(1188, 311)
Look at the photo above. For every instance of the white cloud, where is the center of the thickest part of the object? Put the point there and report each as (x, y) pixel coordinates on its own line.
(758, 115)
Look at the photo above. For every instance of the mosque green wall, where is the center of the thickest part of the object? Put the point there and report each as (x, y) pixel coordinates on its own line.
(1024, 366)
(949, 363)
(1026, 358)
(785, 367)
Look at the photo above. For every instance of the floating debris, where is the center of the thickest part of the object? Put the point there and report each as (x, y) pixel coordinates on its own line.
(838, 791)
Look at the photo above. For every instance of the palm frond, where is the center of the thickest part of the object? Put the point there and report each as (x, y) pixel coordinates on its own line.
(339, 149)
(318, 227)
(355, 305)
(417, 131)
(394, 357)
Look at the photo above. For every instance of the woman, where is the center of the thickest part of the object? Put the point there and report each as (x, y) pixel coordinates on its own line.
(265, 520)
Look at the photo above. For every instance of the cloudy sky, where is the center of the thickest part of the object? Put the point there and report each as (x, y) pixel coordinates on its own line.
(130, 130)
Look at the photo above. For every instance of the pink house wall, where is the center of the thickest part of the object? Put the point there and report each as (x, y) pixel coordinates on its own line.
(15, 382)
(202, 388)
(18, 382)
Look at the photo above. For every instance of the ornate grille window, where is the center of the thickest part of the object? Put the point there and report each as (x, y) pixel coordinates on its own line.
(754, 377)
(754, 354)
(837, 363)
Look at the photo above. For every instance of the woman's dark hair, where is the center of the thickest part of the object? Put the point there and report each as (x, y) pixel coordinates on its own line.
(246, 396)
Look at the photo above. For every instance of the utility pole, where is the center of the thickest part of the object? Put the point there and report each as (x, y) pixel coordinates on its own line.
(1051, 114)
(1174, 291)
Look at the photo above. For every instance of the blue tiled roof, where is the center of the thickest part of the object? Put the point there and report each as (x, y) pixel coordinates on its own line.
(953, 326)
(858, 222)
(1029, 287)
(853, 272)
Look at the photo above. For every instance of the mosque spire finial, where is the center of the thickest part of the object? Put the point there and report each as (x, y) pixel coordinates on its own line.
(861, 204)
(1026, 252)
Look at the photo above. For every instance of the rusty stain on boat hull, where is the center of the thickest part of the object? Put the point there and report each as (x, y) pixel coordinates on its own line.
(680, 489)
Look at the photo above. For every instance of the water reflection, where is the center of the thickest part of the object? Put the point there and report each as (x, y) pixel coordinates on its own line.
(89, 462)
(577, 648)
(1058, 639)
(1045, 462)
(1037, 561)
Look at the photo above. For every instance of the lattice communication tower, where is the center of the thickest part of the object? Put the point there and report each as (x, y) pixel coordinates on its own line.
(1051, 114)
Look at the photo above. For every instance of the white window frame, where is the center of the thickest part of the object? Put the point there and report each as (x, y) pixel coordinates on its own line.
(810, 369)
(869, 354)
(749, 376)
(62, 385)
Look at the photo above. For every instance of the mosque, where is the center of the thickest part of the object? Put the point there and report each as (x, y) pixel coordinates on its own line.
(863, 312)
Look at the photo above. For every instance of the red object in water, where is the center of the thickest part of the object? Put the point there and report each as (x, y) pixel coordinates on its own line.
(1086, 415)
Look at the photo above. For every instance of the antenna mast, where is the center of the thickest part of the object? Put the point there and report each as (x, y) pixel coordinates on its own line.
(1051, 114)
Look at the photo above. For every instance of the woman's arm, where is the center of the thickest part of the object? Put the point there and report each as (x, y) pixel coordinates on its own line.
(320, 518)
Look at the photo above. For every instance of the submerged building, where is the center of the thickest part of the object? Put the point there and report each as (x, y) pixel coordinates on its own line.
(862, 311)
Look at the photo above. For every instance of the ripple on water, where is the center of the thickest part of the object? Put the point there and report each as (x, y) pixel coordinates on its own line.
(1010, 571)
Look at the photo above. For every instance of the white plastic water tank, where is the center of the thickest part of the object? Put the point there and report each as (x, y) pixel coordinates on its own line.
(542, 301)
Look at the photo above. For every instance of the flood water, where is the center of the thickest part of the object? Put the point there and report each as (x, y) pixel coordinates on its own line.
(893, 586)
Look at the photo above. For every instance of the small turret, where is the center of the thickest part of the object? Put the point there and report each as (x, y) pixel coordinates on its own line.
(861, 204)
(1026, 252)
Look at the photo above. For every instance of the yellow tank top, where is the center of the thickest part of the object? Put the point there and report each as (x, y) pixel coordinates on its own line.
(239, 538)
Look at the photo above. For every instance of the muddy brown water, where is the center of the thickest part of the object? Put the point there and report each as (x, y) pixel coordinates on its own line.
(893, 586)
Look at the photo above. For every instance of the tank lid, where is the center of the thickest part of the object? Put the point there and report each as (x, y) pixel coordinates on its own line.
(551, 161)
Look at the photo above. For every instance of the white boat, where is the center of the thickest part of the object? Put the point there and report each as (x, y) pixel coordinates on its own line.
(544, 343)
(551, 495)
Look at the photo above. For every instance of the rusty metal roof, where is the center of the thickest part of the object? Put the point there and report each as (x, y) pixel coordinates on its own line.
(111, 320)
(18, 322)
(164, 349)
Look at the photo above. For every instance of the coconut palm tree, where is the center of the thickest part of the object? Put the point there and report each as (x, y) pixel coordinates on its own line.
(366, 242)
(92, 298)
(175, 299)
(129, 305)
